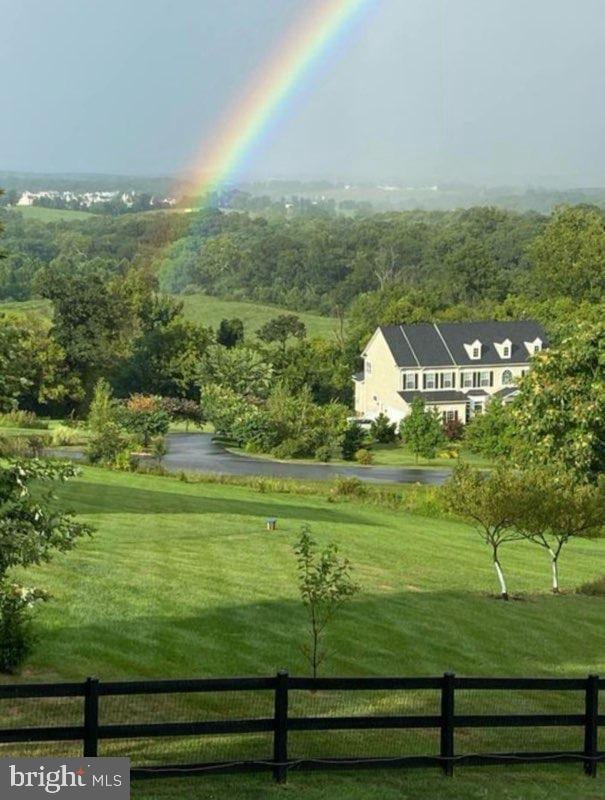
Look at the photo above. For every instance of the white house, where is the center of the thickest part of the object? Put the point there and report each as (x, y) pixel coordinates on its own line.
(456, 367)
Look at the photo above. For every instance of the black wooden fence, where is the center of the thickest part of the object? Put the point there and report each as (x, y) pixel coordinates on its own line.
(281, 722)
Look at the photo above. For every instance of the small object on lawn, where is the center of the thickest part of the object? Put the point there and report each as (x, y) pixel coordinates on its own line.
(272, 523)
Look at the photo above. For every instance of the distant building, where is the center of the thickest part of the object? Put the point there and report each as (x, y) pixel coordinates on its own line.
(456, 367)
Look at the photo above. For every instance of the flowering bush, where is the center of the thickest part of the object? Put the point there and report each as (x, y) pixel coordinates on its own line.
(16, 636)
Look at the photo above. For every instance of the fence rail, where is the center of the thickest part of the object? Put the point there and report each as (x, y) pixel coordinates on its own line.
(281, 723)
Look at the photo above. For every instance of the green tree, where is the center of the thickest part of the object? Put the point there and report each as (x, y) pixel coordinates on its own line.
(493, 503)
(422, 430)
(230, 332)
(569, 256)
(13, 383)
(560, 410)
(241, 369)
(382, 430)
(352, 441)
(558, 510)
(325, 584)
(32, 529)
(491, 434)
(281, 328)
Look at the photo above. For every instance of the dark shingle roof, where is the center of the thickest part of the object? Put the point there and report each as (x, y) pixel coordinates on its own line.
(441, 345)
(444, 396)
(506, 391)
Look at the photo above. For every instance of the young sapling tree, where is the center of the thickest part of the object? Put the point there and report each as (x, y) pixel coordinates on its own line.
(325, 584)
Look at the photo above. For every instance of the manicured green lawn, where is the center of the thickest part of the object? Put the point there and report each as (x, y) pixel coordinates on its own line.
(208, 310)
(184, 580)
(389, 455)
(493, 783)
(398, 455)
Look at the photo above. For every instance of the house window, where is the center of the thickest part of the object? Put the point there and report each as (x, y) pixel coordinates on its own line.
(507, 377)
(484, 378)
(506, 352)
(368, 368)
(450, 416)
(467, 380)
(409, 380)
(536, 348)
(447, 380)
(478, 408)
(476, 352)
(429, 380)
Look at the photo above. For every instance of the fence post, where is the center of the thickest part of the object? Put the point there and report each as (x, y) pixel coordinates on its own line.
(447, 723)
(280, 734)
(91, 717)
(591, 725)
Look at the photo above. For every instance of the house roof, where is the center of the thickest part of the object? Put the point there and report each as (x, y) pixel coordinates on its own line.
(506, 391)
(441, 344)
(447, 396)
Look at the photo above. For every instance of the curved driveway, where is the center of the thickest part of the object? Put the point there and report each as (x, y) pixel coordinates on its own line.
(197, 452)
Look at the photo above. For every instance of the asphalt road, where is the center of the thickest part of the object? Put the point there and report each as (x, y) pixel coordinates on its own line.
(197, 452)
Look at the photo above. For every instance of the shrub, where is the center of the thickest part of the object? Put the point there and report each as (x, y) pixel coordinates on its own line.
(453, 430)
(491, 434)
(594, 588)
(382, 430)
(37, 444)
(363, 456)
(125, 461)
(22, 419)
(144, 417)
(13, 447)
(16, 635)
(323, 453)
(159, 448)
(105, 446)
(352, 440)
(349, 487)
(64, 436)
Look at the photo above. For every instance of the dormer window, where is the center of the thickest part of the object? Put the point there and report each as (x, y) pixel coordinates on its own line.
(534, 347)
(473, 350)
(504, 349)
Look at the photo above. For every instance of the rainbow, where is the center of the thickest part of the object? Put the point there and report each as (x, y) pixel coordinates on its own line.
(247, 119)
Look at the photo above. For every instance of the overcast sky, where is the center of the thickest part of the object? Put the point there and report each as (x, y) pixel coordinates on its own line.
(483, 91)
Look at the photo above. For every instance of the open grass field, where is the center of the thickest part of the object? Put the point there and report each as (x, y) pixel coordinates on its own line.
(208, 310)
(183, 580)
(41, 307)
(51, 214)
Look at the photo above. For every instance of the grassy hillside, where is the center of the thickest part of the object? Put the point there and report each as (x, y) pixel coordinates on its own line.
(51, 214)
(208, 310)
(183, 579)
(42, 307)
(211, 310)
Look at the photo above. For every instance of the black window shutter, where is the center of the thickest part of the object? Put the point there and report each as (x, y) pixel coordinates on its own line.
(475, 379)
(491, 378)
(441, 380)
(424, 380)
(454, 383)
(416, 381)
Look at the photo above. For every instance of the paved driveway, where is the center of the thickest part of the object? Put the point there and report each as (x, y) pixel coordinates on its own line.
(197, 452)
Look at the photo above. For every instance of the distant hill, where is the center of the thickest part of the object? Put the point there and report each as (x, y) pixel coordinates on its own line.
(206, 310)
